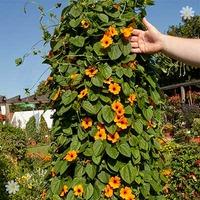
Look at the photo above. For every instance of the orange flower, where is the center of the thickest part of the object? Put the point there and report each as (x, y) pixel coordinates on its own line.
(100, 135)
(71, 155)
(43, 195)
(118, 118)
(108, 81)
(85, 24)
(64, 191)
(113, 137)
(91, 71)
(114, 88)
(106, 41)
(100, 126)
(120, 111)
(73, 76)
(125, 193)
(131, 197)
(86, 122)
(83, 93)
(167, 172)
(127, 31)
(78, 190)
(115, 182)
(111, 31)
(132, 98)
(122, 123)
(108, 191)
(116, 105)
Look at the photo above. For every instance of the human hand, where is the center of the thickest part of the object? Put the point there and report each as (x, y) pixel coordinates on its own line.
(149, 41)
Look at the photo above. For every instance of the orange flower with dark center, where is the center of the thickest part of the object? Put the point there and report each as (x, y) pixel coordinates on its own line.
(85, 24)
(111, 31)
(100, 126)
(132, 98)
(113, 137)
(44, 195)
(125, 193)
(116, 105)
(115, 182)
(108, 191)
(120, 111)
(83, 93)
(118, 118)
(114, 88)
(106, 41)
(86, 122)
(131, 197)
(78, 190)
(122, 123)
(91, 71)
(108, 81)
(71, 155)
(127, 31)
(64, 191)
(100, 135)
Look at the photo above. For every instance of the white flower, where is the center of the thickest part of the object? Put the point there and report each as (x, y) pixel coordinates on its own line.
(187, 12)
(12, 187)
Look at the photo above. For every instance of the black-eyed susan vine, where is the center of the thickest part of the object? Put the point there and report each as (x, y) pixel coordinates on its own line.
(107, 119)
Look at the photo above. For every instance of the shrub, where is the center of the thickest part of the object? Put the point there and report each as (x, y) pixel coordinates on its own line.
(44, 132)
(31, 129)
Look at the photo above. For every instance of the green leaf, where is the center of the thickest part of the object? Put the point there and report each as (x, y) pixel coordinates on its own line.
(70, 195)
(89, 191)
(156, 186)
(56, 185)
(106, 71)
(138, 126)
(68, 97)
(145, 190)
(111, 128)
(125, 149)
(88, 107)
(133, 141)
(74, 22)
(143, 144)
(78, 41)
(148, 113)
(76, 10)
(125, 47)
(119, 72)
(103, 177)
(128, 173)
(97, 81)
(96, 159)
(98, 49)
(98, 147)
(128, 72)
(58, 45)
(18, 61)
(107, 114)
(151, 81)
(114, 52)
(112, 152)
(91, 170)
(126, 88)
(135, 152)
(103, 17)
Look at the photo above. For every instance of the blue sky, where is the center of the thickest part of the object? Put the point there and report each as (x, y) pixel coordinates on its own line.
(19, 31)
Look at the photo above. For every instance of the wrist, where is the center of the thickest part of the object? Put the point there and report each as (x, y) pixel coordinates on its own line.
(163, 42)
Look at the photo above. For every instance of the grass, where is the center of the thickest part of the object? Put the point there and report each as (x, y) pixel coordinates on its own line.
(38, 149)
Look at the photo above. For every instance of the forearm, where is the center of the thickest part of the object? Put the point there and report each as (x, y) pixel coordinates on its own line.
(185, 50)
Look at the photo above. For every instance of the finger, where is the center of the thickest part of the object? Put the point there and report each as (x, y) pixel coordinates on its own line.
(133, 39)
(146, 23)
(134, 44)
(136, 32)
(136, 50)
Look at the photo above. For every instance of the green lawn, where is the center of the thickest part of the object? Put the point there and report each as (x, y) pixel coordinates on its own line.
(38, 149)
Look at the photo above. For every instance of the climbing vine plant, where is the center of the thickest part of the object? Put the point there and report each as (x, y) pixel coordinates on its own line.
(107, 119)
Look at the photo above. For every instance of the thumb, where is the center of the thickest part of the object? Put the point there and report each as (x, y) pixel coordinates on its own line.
(147, 24)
